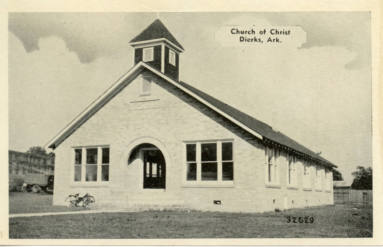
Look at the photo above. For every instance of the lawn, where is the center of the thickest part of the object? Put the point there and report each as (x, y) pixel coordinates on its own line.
(328, 221)
(23, 202)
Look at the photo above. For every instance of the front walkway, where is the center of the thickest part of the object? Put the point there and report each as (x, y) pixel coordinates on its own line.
(91, 211)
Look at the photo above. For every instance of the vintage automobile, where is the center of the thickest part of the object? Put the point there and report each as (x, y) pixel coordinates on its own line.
(35, 182)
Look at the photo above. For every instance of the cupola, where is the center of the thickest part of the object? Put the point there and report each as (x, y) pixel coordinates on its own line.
(157, 47)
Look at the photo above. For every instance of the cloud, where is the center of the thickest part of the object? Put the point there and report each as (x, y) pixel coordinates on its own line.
(341, 29)
(89, 35)
(58, 63)
(49, 86)
(306, 93)
(93, 35)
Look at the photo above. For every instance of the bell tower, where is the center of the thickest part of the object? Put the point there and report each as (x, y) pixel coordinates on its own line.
(157, 47)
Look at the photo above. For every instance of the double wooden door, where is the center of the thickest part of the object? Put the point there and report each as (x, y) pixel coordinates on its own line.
(154, 169)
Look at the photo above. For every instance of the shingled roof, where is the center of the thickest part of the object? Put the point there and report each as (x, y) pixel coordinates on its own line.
(156, 30)
(254, 126)
(258, 126)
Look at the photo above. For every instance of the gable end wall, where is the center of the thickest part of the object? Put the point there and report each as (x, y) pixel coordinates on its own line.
(171, 117)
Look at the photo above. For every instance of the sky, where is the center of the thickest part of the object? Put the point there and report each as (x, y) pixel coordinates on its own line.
(314, 87)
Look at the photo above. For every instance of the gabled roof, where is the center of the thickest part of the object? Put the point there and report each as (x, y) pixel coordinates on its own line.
(255, 127)
(156, 30)
(260, 127)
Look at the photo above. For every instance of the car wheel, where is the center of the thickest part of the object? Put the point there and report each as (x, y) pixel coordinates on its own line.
(36, 188)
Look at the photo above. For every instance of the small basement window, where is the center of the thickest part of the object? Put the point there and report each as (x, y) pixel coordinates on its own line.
(148, 54)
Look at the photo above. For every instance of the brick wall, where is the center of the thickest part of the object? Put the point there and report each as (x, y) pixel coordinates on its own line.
(167, 118)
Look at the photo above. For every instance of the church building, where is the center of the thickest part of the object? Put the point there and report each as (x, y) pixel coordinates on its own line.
(154, 141)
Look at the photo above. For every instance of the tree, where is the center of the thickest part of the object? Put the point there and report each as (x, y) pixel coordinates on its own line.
(362, 178)
(37, 150)
(336, 175)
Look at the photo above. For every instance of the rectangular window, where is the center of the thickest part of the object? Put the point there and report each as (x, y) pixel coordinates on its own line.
(227, 151)
(328, 179)
(191, 173)
(148, 54)
(91, 164)
(306, 176)
(290, 172)
(318, 179)
(190, 152)
(209, 161)
(272, 156)
(105, 165)
(209, 171)
(191, 169)
(172, 57)
(292, 177)
(227, 171)
(209, 152)
(212, 160)
(77, 164)
(91, 156)
(270, 168)
(227, 161)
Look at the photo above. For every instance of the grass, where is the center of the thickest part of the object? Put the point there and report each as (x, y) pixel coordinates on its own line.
(329, 221)
(23, 202)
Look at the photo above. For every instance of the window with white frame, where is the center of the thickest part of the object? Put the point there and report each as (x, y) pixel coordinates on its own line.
(272, 173)
(318, 178)
(209, 161)
(191, 162)
(328, 179)
(105, 164)
(306, 176)
(91, 164)
(148, 54)
(227, 161)
(209, 164)
(172, 57)
(292, 171)
(77, 164)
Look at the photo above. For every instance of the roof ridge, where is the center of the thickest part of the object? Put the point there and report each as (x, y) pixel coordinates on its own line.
(264, 129)
(244, 113)
(156, 30)
(243, 120)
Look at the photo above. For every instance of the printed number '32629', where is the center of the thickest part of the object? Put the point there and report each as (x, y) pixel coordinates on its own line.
(305, 219)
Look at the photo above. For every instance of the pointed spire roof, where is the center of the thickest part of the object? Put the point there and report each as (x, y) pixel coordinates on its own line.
(156, 30)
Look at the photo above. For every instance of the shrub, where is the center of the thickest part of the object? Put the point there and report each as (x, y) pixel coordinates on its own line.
(15, 183)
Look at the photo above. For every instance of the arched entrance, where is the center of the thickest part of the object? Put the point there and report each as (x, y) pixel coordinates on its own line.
(153, 165)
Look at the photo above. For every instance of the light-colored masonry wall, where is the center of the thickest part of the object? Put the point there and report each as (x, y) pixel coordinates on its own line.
(168, 118)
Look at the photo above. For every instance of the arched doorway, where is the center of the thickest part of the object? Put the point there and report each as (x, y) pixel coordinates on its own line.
(153, 165)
